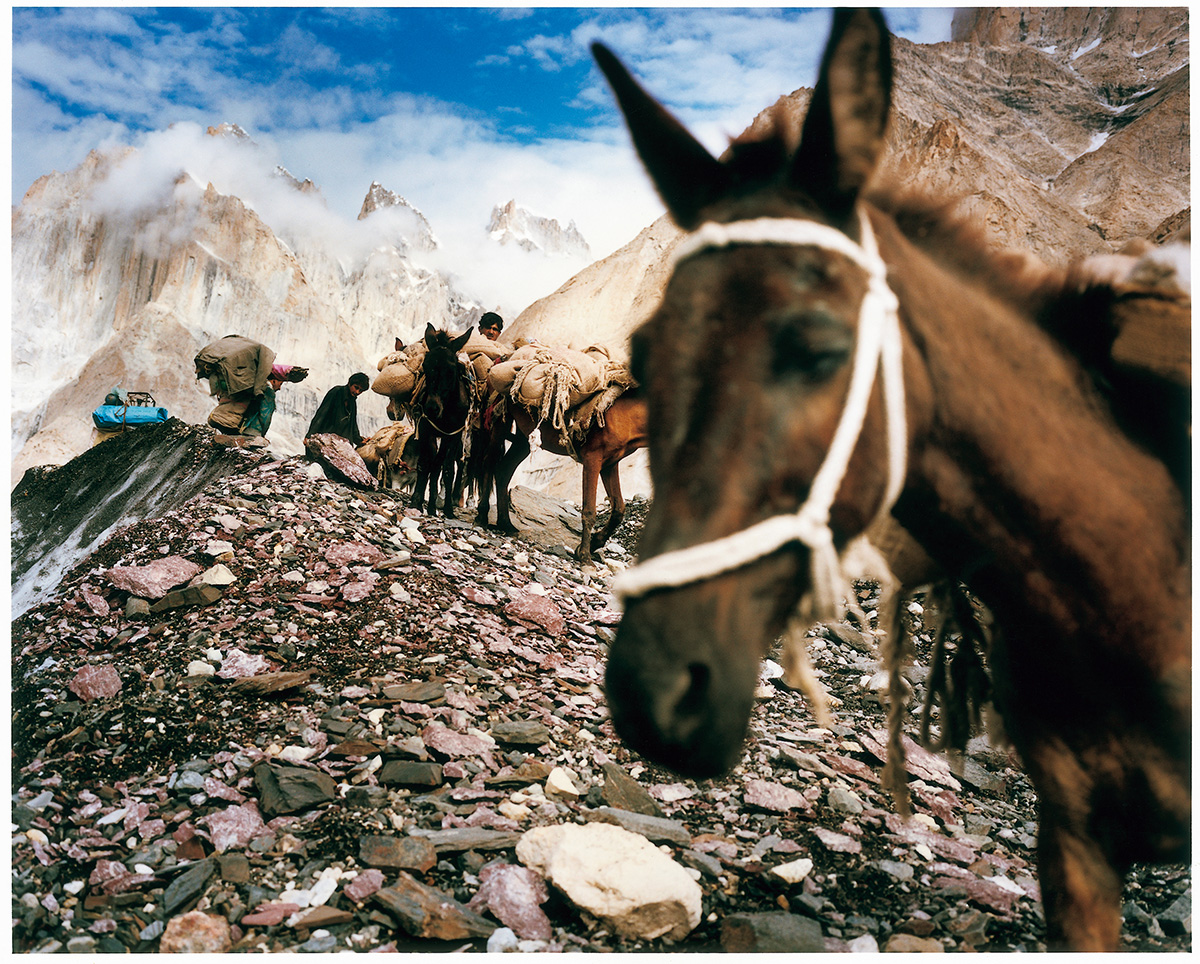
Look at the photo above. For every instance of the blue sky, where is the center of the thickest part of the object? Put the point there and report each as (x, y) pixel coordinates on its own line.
(456, 108)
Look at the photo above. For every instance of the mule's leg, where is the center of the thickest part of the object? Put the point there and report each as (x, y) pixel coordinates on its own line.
(1081, 890)
(436, 477)
(1077, 871)
(424, 456)
(610, 475)
(452, 474)
(516, 454)
(591, 471)
(486, 467)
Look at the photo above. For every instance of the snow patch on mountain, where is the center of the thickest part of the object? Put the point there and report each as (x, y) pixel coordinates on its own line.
(514, 225)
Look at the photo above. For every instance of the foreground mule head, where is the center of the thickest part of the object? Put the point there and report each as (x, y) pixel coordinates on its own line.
(747, 367)
(997, 449)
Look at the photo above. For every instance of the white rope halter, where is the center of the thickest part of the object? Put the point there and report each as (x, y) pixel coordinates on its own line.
(878, 346)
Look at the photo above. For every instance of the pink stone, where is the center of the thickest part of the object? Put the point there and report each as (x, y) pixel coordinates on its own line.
(774, 796)
(196, 933)
(340, 455)
(917, 760)
(129, 882)
(97, 604)
(344, 553)
(268, 915)
(837, 842)
(234, 826)
(135, 813)
(95, 682)
(513, 895)
(239, 665)
(540, 611)
(986, 892)
(486, 817)
(439, 737)
(156, 579)
(222, 791)
(479, 596)
(107, 870)
(364, 885)
(358, 590)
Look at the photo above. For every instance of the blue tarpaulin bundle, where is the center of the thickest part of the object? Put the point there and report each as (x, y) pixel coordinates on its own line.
(114, 418)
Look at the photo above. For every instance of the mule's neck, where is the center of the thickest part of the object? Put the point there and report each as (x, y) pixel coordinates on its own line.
(1020, 480)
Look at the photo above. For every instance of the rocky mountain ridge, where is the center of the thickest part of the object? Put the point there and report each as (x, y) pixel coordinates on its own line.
(510, 224)
(380, 198)
(1064, 131)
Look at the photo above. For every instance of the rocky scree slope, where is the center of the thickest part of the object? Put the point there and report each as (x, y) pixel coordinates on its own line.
(351, 730)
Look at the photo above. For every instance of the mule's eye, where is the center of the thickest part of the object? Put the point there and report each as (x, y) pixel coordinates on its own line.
(814, 346)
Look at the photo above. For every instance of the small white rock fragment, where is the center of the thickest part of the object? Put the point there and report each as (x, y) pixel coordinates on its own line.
(794, 871)
(559, 784)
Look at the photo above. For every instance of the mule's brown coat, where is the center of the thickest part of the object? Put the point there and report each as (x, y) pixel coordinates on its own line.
(1035, 474)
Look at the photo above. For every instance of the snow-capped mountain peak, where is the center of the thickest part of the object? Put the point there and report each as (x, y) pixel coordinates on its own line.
(228, 130)
(511, 224)
(415, 232)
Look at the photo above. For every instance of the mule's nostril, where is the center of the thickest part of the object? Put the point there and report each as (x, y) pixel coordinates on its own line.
(695, 697)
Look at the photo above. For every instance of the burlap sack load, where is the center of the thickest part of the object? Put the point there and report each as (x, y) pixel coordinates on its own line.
(558, 383)
(398, 377)
(383, 452)
(400, 370)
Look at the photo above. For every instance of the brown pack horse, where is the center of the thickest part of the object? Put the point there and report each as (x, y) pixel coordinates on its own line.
(986, 434)
(622, 432)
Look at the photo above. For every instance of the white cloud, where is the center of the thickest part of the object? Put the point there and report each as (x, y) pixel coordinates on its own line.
(715, 67)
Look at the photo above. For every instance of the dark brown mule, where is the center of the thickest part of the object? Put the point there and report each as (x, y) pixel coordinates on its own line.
(441, 414)
(1017, 473)
(622, 433)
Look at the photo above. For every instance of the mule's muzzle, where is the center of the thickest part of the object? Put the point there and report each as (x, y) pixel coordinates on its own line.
(670, 699)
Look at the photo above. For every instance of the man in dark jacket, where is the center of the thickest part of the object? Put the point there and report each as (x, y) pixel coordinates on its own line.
(338, 413)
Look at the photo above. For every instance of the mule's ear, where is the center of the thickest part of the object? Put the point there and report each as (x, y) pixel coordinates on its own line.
(457, 345)
(843, 134)
(686, 175)
(430, 335)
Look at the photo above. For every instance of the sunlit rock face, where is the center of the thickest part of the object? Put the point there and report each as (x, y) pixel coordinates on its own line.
(108, 295)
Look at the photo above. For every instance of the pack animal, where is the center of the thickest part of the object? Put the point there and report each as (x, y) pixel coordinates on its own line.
(442, 413)
(387, 454)
(864, 354)
(621, 432)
